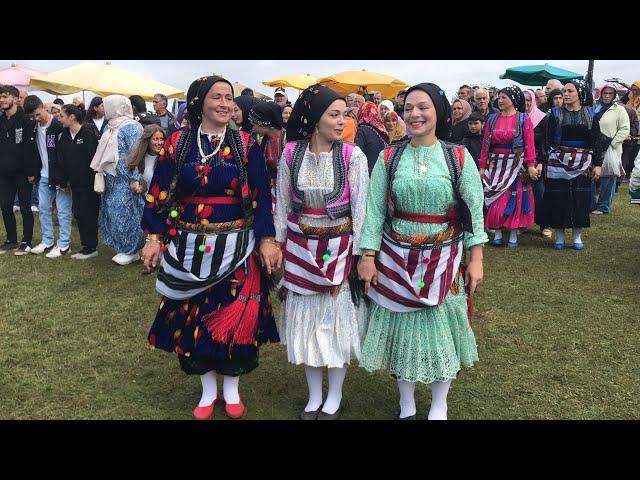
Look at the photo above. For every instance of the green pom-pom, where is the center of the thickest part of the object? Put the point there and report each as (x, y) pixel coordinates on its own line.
(421, 284)
(201, 248)
(174, 213)
(326, 257)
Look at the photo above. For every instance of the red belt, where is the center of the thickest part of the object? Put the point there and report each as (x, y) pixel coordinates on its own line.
(449, 217)
(314, 211)
(212, 200)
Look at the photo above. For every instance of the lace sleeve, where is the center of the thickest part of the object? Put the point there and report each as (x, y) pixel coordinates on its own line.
(283, 199)
(358, 188)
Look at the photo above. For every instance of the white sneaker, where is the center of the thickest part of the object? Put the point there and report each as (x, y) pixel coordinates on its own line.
(125, 259)
(597, 212)
(84, 256)
(16, 208)
(57, 252)
(34, 209)
(41, 248)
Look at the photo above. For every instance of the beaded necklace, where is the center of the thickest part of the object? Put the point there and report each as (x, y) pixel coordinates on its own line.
(205, 158)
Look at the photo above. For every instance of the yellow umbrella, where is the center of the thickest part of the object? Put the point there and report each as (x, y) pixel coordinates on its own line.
(103, 80)
(363, 82)
(299, 82)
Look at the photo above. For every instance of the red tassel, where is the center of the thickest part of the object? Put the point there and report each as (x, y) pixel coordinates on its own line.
(222, 323)
(245, 332)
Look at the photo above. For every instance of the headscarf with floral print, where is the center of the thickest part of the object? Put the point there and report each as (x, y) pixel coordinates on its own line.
(195, 97)
(310, 106)
(369, 115)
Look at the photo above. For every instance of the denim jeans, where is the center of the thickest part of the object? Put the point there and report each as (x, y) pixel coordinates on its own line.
(607, 191)
(63, 204)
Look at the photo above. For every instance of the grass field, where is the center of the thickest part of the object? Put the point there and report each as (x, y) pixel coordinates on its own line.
(557, 333)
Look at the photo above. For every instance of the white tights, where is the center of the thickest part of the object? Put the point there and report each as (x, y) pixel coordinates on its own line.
(314, 382)
(577, 235)
(210, 389)
(439, 392)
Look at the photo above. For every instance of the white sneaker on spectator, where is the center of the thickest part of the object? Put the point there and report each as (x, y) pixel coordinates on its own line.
(41, 248)
(57, 252)
(597, 212)
(125, 259)
(85, 254)
(34, 209)
(16, 208)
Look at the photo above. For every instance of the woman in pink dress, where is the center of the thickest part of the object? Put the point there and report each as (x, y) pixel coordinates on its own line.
(507, 162)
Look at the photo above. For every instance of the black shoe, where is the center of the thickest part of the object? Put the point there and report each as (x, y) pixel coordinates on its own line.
(329, 416)
(310, 415)
(8, 246)
(23, 249)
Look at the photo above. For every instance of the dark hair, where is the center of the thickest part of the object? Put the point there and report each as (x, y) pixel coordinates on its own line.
(31, 104)
(553, 93)
(247, 91)
(465, 86)
(476, 117)
(10, 89)
(91, 112)
(138, 104)
(59, 101)
(71, 109)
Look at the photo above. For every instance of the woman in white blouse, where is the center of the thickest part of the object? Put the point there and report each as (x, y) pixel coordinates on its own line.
(145, 155)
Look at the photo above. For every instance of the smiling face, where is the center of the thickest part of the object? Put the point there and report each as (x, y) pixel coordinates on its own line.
(383, 109)
(236, 114)
(331, 123)
(286, 113)
(218, 104)
(504, 102)
(156, 142)
(456, 111)
(420, 114)
(7, 101)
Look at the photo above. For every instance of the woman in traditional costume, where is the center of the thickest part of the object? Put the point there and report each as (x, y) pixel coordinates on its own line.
(423, 208)
(208, 214)
(320, 206)
(507, 162)
(575, 154)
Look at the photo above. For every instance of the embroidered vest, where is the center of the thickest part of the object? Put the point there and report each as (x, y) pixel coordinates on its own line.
(337, 202)
(518, 138)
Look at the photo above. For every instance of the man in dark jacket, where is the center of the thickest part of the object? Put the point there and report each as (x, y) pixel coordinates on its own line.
(140, 114)
(77, 146)
(630, 146)
(48, 130)
(19, 167)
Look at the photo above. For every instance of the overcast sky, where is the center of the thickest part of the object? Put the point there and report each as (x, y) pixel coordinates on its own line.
(448, 74)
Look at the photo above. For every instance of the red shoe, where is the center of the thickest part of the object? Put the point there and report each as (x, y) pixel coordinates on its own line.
(204, 413)
(234, 410)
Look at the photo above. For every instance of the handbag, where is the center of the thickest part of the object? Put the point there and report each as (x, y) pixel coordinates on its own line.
(98, 183)
(612, 164)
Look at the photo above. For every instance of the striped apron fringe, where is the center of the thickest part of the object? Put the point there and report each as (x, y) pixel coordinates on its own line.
(566, 163)
(317, 260)
(187, 270)
(502, 171)
(412, 277)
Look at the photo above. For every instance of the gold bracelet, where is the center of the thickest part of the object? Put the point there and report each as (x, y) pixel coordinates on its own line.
(155, 237)
(270, 240)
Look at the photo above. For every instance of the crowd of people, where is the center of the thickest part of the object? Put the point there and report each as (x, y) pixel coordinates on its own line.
(375, 211)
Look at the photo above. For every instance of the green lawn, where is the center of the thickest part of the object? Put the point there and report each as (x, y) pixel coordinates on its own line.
(557, 334)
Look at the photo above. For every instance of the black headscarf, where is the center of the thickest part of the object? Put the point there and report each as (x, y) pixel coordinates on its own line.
(517, 97)
(584, 92)
(195, 97)
(311, 104)
(441, 104)
(245, 103)
(266, 114)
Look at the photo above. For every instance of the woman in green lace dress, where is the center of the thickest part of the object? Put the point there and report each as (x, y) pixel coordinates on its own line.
(424, 207)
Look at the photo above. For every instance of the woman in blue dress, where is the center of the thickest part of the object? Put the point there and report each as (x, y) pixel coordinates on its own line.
(123, 201)
(208, 215)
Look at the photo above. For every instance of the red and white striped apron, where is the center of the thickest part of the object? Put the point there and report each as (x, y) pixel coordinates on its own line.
(568, 162)
(315, 264)
(500, 174)
(411, 278)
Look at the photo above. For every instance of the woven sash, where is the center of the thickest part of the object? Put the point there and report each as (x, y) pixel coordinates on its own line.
(568, 162)
(186, 271)
(305, 270)
(402, 266)
(500, 174)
